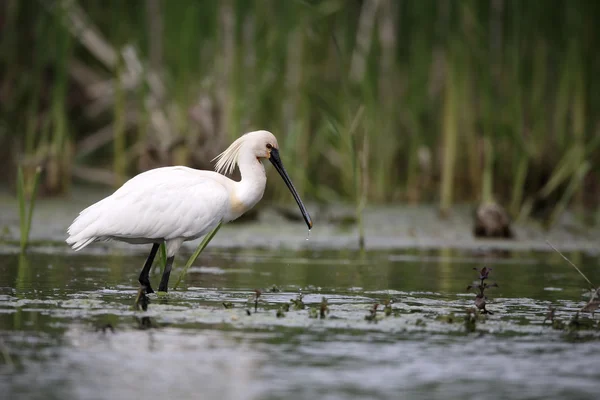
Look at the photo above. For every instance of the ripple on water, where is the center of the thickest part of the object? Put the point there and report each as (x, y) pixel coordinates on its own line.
(87, 341)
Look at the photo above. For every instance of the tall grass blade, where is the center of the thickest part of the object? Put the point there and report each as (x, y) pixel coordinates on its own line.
(592, 286)
(487, 195)
(22, 207)
(26, 210)
(450, 139)
(199, 250)
(162, 254)
(519, 184)
(34, 190)
(363, 190)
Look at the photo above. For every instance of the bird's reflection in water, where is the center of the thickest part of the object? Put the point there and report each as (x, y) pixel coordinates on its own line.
(144, 323)
(141, 303)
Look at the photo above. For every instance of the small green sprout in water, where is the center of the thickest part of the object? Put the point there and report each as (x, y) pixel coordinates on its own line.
(274, 289)
(313, 313)
(297, 303)
(227, 304)
(387, 310)
(280, 312)
(324, 308)
(285, 307)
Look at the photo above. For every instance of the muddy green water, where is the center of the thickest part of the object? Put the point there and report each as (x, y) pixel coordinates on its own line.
(68, 331)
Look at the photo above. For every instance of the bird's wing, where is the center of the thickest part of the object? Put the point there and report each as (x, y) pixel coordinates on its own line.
(164, 203)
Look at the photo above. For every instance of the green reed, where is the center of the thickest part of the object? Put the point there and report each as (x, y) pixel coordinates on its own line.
(26, 195)
(463, 100)
(205, 241)
(450, 138)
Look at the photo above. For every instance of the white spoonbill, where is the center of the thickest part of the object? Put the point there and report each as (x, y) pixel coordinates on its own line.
(177, 204)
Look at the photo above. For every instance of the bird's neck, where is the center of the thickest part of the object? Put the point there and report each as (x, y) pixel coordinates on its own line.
(249, 190)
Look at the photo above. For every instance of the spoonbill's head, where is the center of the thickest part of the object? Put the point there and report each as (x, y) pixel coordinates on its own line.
(261, 145)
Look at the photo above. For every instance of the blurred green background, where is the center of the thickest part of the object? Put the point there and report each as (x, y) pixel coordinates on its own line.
(376, 100)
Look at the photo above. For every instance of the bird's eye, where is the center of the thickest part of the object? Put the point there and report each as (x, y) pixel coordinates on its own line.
(269, 146)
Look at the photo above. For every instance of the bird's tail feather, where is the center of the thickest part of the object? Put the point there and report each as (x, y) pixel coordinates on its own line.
(78, 244)
(82, 231)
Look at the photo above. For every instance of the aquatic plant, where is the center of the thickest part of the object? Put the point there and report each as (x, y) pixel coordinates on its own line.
(257, 294)
(274, 289)
(26, 189)
(480, 287)
(594, 301)
(323, 308)
(387, 307)
(550, 315)
(162, 255)
(253, 301)
(298, 303)
(205, 241)
(372, 316)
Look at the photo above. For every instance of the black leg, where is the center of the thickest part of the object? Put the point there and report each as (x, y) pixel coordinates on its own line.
(164, 282)
(144, 279)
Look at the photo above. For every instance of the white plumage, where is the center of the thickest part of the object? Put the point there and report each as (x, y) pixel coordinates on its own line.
(176, 204)
(167, 203)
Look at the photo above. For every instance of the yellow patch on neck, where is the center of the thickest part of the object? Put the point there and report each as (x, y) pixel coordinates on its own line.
(236, 205)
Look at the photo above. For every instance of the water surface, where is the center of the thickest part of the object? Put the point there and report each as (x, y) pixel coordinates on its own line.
(68, 329)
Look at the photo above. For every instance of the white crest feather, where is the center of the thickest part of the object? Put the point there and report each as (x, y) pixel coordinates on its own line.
(227, 160)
